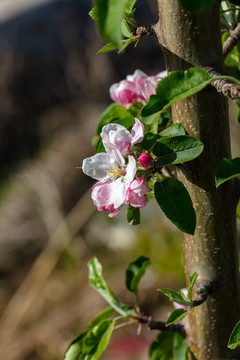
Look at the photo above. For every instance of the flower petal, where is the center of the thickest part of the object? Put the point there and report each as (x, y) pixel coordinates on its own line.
(130, 170)
(137, 132)
(119, 189)
(98, 166)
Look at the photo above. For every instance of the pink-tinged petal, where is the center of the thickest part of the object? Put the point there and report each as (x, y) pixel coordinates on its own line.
(136, 76)
(124, 93)
(113, 212)
(119, 189)
(121, 139)
(117, 141)
(137, 132)
(136, 193)
(102, 194)
(98, 166)
(139, 186)
(145, 160)
(130, 170)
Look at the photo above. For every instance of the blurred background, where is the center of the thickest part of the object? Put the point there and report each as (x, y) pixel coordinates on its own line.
(53, 88)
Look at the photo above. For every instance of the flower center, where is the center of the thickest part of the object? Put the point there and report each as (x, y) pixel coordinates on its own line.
(114, 173)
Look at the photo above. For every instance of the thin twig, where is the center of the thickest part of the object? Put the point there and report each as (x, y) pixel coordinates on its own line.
(223, 86)
(231, 41)
(160, 325)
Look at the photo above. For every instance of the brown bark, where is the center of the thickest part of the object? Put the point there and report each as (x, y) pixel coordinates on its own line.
(195, 40)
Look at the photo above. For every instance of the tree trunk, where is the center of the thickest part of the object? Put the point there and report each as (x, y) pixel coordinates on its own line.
(195, 40)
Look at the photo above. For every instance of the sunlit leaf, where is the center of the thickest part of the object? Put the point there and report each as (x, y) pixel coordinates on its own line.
(93, 13)
(113, 112)
(234, 340)
(103, 315)
(106, 48)
(175, 297)
(109, 15)
(192, 279)
(173, 130)
(97, 281)
(176, 316)
(168, 346)
(174, 87)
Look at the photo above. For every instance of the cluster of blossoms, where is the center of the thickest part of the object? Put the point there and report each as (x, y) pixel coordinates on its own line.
(136, 88)
(116, 169)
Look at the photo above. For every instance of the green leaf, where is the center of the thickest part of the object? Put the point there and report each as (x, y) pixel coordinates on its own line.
(74, 350)
(173, 130)
(109, 15)
(106, 48)
(176, 316)
(133, 215)
(196, 5)
(177, 149)
(125, 29)
(175, 202)
(93, 13)
(97, 339)
(127, 42)
(130, 5)
(162, 349)
(174, 87)
(234, 340)
(104, 314)
(97, 281)
(135, 272)
(149, 140)
(226, 170)
(148, 120)
(175, 297)
(192, 278)
(168, 346)
(180, 348)
(113, 112)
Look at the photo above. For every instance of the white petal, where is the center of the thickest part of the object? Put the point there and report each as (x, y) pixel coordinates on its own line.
(98, 166)
(137, 75)
(119, 189)
(137, 132)
(131, 169)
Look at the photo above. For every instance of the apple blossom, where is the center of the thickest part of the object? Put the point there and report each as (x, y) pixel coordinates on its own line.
(136, 87)
(116, 178)
(145, 160)
(118, 141)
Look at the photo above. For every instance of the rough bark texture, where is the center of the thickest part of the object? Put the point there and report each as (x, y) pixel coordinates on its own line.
(194, 40)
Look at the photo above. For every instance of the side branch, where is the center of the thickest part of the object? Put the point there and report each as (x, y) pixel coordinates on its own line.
(145, 30)
(231, 41)
(160, 325)
(223, 86)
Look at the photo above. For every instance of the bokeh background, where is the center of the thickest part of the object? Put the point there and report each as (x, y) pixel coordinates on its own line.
(53, 88)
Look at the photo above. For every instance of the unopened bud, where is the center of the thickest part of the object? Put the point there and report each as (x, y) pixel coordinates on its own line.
(145, 160)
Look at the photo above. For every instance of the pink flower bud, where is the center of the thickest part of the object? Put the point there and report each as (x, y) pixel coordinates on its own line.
(145, 160)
